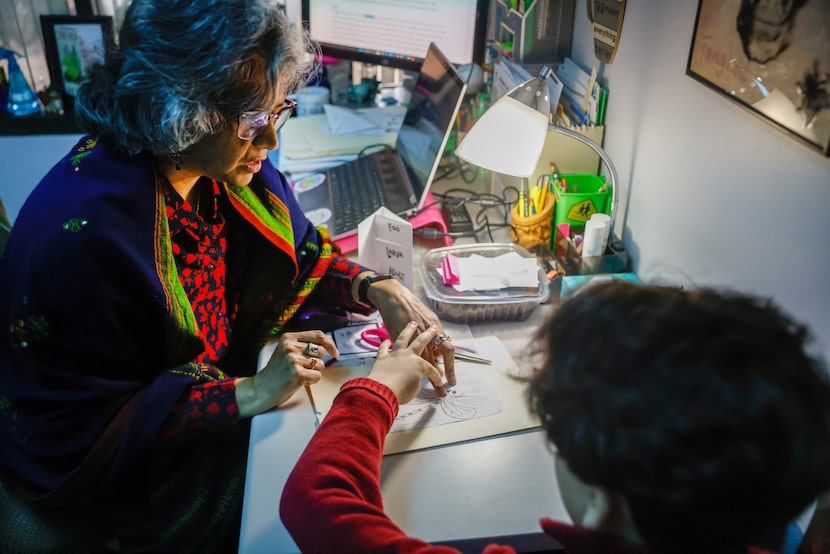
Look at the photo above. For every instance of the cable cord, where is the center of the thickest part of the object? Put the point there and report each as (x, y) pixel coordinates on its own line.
(458, 197)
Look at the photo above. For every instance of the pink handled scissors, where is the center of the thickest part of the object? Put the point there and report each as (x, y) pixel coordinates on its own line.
(376, 335)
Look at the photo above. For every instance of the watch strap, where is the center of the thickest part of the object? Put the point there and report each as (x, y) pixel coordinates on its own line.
(363, 288)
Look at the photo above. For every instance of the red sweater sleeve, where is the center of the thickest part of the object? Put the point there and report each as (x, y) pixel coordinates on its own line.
(332, 500)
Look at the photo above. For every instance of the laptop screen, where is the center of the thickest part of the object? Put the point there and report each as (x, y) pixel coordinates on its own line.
(429, 120)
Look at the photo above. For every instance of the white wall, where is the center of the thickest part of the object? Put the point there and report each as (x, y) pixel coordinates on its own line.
(23, 163)
(710, 194)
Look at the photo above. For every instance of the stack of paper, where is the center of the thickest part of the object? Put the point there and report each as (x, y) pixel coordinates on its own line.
(316, 142)
(346, 122)
(508, 75)
(583, 98)
(482, 273)
(580, 97)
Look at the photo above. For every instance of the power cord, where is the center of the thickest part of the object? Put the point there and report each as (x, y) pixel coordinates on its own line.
(453, 207)
(450, 166)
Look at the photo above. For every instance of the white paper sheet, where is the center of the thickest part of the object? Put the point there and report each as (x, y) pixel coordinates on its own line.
(488, 400)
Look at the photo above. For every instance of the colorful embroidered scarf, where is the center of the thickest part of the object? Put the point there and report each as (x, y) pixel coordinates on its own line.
(97, 333)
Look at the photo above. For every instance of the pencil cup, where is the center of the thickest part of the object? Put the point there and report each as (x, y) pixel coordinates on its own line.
(533, 229)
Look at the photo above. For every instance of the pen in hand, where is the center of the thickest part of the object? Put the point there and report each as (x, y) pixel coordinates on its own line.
(313, 405)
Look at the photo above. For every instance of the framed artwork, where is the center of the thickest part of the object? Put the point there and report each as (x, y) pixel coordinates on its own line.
(772, 57)
(72, 44)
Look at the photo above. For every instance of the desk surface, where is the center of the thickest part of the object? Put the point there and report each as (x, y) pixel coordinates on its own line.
(484, 488)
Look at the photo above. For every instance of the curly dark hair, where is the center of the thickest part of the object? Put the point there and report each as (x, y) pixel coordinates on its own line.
(702, 409)
(183, 69)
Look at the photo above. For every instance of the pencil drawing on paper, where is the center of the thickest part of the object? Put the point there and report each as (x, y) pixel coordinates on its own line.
(471, 398)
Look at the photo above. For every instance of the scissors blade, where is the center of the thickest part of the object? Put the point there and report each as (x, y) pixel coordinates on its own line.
(471, 358)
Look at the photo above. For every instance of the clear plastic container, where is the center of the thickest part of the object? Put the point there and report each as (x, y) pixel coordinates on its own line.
(471, 306)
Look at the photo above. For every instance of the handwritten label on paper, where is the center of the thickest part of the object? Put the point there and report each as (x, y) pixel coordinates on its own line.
(385, 245)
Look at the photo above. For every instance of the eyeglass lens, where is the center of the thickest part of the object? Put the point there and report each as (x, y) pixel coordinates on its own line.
(250, 124)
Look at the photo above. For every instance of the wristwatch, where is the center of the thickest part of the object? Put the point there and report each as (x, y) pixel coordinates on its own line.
(363, 288)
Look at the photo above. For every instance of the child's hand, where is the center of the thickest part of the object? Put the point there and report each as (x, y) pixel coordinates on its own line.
(401, 369)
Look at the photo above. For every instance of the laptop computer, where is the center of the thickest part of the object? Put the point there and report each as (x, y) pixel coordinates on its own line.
(341, 197)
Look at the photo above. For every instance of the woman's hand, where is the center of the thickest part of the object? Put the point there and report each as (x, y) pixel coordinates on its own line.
(398, 306)
(402, 368)
(296, 361)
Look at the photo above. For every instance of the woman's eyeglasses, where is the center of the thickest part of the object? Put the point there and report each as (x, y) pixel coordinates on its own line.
(251, 122)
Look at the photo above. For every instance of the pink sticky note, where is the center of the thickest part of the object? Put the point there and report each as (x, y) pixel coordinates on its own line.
(449, 270)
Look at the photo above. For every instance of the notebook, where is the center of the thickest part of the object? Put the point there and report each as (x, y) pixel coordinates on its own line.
(340, 197)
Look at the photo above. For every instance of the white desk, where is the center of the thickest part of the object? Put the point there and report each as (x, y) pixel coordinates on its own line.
(485, 488)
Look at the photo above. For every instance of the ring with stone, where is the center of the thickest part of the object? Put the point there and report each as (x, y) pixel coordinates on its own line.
(440, 339)
(312, 350)
(313, 363)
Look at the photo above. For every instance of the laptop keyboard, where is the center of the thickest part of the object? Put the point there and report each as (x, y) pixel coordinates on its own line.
(357, 192)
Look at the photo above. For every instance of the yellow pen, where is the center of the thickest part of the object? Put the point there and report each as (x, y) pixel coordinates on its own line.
(534, 194)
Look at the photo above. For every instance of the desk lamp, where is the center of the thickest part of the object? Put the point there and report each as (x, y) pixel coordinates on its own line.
(509, 137)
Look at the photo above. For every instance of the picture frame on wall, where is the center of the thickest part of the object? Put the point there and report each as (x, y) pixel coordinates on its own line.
(72, 43)
(771, 58)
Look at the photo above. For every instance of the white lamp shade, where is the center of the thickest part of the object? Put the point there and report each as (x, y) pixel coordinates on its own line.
(508, 138)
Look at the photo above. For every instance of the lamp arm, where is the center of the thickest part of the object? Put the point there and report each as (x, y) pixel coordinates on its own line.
(604, 157)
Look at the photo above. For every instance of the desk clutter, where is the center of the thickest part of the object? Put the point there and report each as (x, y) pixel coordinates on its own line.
(572, 236)
(566, 270)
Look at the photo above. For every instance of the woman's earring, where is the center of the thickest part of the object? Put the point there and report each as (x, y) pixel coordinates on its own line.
(176, 158)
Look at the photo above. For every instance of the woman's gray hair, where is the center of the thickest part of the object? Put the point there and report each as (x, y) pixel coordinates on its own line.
(185, 69)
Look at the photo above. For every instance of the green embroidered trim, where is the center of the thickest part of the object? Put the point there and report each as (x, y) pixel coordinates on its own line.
(191, 369)
(32, 329)
(201, 373)
(177, 302)
(75, 225)
(306, 288)
(270, 213)
(83, 152)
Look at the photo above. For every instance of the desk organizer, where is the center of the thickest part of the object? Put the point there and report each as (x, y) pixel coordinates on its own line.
(533, 229)
(471, 306)
(589, 198)
(538, 32)
(615, 260)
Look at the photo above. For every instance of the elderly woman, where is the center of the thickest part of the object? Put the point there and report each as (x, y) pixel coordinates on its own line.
(148, 267)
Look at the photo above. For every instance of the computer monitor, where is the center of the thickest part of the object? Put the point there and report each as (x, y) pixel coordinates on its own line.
(397, 33)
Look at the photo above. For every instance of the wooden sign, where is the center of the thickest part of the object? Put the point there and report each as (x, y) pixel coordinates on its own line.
(606, 20)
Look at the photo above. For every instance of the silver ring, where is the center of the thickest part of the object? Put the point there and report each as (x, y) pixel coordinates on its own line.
(440, 339)
(312, 350)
